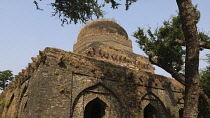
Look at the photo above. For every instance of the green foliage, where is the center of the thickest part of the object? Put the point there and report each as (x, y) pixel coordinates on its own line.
(205, 84)
(76, 9)
(202, 108)
(5, 77)
(205, 79)
(162, 45)
(204, 39)
(197, 14)
(167, 43)
(81, 10)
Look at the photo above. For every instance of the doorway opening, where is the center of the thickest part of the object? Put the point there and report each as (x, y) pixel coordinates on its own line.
(181, 112)
(95, 109)
(150, 111)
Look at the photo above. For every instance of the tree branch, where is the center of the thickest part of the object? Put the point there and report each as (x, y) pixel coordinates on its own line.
(37, 6)
(202, 44)
(169, 69)
(179, 78)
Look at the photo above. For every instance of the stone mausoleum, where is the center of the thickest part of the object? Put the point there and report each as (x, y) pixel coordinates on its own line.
(101, 78)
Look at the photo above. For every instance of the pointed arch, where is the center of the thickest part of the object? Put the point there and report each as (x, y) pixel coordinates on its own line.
(151, 97)
(150, 111)
(97, 92)
(152, 103)
(10, 101)
(181, 110)
(95, 109)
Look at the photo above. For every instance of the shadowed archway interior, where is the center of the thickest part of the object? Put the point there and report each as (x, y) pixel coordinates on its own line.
(150, 112)
(181, 112)
(95, 109)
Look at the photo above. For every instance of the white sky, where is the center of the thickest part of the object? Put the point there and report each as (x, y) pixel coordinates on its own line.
(24, 30)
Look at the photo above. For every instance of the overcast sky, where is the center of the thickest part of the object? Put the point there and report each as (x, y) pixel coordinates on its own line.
(24, 30)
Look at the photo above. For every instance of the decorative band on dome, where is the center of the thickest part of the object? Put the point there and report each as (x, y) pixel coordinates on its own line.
(102, 26)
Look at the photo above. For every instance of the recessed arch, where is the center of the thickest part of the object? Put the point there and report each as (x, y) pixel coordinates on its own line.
(181, 110)
(150, 111)
(10, 101)
(97, 92)
(151, 95)
(153, 105)
(95, 109)
(23, 92)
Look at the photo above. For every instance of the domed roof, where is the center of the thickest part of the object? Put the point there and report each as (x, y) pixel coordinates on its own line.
(102, 26)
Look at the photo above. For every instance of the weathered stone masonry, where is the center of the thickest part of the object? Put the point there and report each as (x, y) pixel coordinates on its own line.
(97, 80)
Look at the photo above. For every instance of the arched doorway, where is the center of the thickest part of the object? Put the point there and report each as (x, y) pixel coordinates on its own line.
(153, 107)
(181, 112)
(150, 112)
(95, 109)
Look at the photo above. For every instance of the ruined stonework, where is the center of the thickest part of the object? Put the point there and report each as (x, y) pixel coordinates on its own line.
(102, 78)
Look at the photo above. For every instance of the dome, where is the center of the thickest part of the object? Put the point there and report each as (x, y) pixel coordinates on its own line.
(102, 32)
(100, 27)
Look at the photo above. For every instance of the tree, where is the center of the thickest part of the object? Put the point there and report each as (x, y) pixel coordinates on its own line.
(205, 78)
(166, 48)
(66, 10)
(81, 10)
(5, 77)
(205, 84)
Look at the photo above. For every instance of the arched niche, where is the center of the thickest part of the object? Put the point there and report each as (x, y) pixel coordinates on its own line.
(153, 107)
(181, 110)
(23, 102)
(95, 109)
(10, 101)
(96, 96)
(150, 112)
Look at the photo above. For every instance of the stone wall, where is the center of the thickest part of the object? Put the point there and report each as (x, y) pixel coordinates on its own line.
(60, 84)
